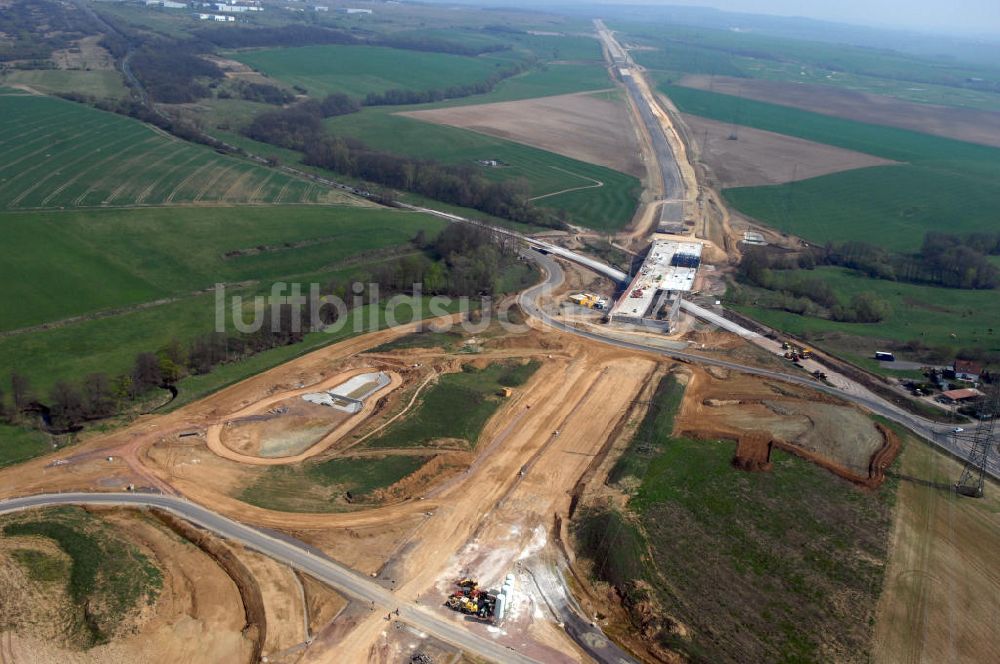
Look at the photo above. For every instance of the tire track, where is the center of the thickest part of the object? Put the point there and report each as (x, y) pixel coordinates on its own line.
(98, 165)
(87, 155)
(156, 183)
(597, 185)
(183, 183)
(212, 181)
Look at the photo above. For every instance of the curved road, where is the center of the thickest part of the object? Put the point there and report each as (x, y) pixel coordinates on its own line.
(303, 558)
(293, 553)
(938, 434)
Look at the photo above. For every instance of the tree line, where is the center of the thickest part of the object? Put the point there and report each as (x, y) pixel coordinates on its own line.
(804, 294)
(300, 127)
(263, 93)
(461, 260)
(944, 259)
(400, 97)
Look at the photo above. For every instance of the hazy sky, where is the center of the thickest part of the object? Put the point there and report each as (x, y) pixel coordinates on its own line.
(979, 16)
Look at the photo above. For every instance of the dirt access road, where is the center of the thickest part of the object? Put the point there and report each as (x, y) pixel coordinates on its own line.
(493, 517)
(213, 433)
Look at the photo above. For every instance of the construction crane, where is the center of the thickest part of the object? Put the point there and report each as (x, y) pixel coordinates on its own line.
(981, 443)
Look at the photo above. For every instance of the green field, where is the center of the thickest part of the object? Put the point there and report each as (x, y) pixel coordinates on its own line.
(545, 80)
(942, 183)
(17, 444)
(457, 406)
(937, 317)
(322, 486)
(100, 83)
(754, 565)
(55, 154)
(358, 70)
(605, 208)
(679, 50)
(65, 263)
(76, 263)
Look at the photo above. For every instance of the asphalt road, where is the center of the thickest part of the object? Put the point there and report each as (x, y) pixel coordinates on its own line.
(296, 555)
(938, 434)
(670, 175)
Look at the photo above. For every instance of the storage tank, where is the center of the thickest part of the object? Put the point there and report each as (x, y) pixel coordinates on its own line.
(501, 607)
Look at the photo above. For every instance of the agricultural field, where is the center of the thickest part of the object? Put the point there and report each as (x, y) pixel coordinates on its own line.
(58, 154)
(546, 80)
(961, 124)
(359, 70)
(73, 262)
(726, 565)
(937, 600)
(566, 184)
(109, 345)
(673, 51)
(942, 318)
(101, 83)
(765, 157)
(941, 182)
(581, 126)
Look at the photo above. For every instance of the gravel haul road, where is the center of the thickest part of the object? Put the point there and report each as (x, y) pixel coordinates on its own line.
(296, 555)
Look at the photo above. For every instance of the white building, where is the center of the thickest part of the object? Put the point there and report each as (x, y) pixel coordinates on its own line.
(354, 10)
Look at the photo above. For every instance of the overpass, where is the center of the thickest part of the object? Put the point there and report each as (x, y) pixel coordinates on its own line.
(615, 275)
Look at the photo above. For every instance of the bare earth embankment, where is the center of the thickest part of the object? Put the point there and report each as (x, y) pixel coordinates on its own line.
(963, 124)
(581, 126)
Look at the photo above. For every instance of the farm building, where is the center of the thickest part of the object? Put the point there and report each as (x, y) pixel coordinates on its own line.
(653, 298)
(960, 396)
(354, 10)
(967, 370)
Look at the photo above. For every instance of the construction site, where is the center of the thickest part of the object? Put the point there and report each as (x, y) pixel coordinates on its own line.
(653, 297)
(617, 480)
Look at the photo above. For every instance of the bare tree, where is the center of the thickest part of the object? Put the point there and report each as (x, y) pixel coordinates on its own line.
(98, 396)
(20, 388)
(146, 372)
(66, 405)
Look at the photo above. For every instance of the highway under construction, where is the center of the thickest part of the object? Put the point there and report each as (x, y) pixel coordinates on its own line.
(478, 560)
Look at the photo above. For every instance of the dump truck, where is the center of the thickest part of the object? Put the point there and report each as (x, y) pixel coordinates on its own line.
(589, 300)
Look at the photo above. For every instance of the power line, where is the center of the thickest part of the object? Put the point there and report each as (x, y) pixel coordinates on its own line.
(974, 474)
